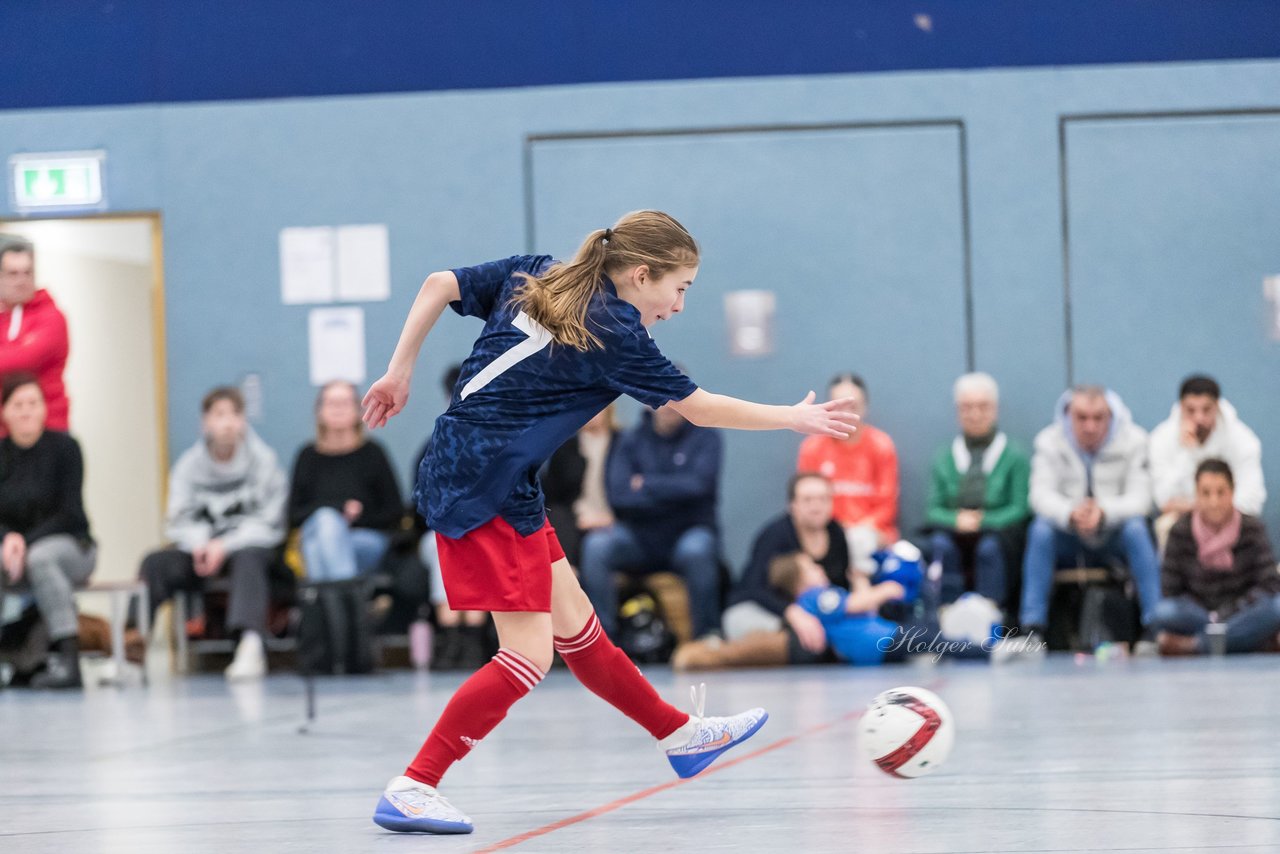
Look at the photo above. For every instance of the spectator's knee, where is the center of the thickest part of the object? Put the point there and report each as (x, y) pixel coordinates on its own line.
(1275, 607)
(694, 546)
(1165, 611)
(1135, 526)
(989, 547)
(150, 570)
(247, 562)
(323, 521)
(941, 543)
(1041, 533)
(597, 549)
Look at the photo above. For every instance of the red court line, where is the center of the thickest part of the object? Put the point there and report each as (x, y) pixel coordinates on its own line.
(933, 685)
(653, 790)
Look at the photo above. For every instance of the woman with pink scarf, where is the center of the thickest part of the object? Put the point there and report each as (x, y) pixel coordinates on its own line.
(1218, 567)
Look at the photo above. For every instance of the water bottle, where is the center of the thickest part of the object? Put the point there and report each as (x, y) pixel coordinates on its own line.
(1216, 633)
(420, 644)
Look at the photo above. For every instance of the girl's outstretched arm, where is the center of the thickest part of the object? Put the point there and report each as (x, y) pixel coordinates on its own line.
(387, 396)
(832, 418)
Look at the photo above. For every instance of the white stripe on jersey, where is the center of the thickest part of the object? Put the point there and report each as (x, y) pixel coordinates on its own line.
(539, 338)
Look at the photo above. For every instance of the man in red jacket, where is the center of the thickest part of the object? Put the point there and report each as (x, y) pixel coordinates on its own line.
(33, 332)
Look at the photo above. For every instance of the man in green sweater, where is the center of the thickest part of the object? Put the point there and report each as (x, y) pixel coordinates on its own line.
(978, 489)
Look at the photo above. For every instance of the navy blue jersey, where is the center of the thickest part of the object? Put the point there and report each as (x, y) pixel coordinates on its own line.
(521, 396)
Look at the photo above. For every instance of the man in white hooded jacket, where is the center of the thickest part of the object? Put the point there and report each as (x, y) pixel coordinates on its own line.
(1091, 493)
(226, 517)
(1202, 425)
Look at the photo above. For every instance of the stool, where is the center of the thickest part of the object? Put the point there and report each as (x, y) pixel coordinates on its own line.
(121, 595)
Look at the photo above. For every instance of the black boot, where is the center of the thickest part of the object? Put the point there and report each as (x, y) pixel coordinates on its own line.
(473, 652)
(63, 667)
(446, 646)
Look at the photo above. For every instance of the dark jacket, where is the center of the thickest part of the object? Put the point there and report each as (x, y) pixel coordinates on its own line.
(330, 480)
(779, 537)
(681, 474)
(41, 488)
(1252, 575)
(562, 476)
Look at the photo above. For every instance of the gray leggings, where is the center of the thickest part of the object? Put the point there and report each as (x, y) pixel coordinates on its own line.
(57, 565)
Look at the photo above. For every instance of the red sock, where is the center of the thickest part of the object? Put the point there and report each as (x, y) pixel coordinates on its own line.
(610, 675)
(475, 709)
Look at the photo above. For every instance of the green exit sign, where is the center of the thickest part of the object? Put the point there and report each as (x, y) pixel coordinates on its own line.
(64, 180)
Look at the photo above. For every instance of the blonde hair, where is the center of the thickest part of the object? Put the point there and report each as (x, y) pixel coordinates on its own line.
(559, 298)
(355, 393)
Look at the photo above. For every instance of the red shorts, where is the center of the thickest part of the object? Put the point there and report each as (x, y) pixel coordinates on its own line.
(494, 568)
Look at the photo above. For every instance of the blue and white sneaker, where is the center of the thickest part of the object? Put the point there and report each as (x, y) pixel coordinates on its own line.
(700, 742)
(408, 806)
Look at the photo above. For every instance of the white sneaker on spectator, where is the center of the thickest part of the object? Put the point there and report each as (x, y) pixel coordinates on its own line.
(1028, 647)
(250, 661)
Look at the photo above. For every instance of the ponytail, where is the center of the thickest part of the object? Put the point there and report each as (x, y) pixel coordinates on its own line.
(559, 299)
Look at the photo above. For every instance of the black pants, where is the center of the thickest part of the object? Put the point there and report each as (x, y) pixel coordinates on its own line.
(170, 570)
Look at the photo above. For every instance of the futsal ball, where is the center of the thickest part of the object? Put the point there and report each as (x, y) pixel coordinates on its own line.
(907, 732)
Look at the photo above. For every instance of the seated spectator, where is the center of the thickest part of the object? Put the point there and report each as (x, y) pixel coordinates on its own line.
(46, 547)
(1202, 426)
(855, 631)
(225, 518)
(863, 471)
(33, 331)
(807, 527)
(661, 481)
(462, 638)
(1218, 568)
(573, 483)
(343, 494)
(1090, 492)
(977, 496)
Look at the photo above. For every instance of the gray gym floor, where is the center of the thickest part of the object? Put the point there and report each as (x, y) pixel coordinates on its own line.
(1052, 756)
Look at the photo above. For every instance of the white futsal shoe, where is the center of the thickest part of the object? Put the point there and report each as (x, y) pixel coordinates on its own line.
(408, 806)
(700, 742)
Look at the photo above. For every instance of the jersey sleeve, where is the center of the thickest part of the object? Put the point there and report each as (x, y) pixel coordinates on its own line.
(826, 603)
(481, 286)
(641, 371)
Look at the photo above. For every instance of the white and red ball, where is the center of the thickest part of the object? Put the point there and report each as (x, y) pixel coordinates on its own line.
(907, 732)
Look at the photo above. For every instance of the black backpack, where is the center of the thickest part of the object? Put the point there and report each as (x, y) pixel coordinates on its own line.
(334, 635)
(643, 633)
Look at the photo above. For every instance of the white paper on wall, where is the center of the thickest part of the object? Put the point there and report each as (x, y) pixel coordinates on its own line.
(337, 344)
(307, 265)
(364, 266)
(749, 319)
(1271, 290)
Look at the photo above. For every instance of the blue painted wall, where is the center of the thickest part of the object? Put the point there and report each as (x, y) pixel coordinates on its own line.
(69, 52)
(860, 230)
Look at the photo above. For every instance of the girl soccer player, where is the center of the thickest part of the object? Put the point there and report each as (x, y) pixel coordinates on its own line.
(560, 342)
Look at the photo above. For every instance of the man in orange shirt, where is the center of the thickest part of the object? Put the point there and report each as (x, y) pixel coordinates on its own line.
(863, 471)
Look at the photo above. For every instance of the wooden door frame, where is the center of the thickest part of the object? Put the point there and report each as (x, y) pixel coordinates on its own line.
(159, 350)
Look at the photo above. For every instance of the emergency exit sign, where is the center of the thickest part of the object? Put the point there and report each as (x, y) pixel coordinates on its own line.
(63, 180)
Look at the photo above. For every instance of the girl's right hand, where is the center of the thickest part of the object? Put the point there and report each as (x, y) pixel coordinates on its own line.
(807, 627)
(385, 399)
(13, 554)
(833, 418)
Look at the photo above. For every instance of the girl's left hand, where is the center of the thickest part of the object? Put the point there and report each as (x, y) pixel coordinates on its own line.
(385, 399)
(833, 418)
